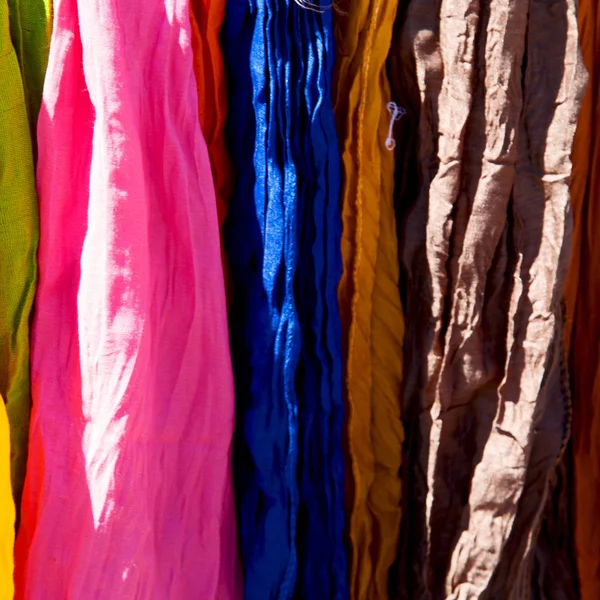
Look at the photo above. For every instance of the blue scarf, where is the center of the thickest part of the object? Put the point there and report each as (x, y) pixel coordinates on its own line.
(283, 240)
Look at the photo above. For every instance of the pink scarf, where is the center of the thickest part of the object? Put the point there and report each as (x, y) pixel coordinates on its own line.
(128, 491)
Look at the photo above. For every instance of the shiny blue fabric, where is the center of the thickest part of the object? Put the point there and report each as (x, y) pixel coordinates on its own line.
(283, 242)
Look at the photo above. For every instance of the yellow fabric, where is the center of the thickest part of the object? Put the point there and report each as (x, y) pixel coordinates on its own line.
(18, 245)
(7, 511)
(368, 293)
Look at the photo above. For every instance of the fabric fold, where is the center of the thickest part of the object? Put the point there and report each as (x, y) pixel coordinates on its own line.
(19, 232)
(31, 28)
(133, 406)
(7, 511)
(283, 240)
(487, 228)
(206, 19)
(582, 329)
(368, 293)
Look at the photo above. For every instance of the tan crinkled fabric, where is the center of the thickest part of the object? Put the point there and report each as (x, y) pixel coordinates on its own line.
(493, 89)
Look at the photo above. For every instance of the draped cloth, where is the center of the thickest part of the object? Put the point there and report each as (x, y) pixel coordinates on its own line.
(30, 28)
(18, 246)
(493, 89)
(368, 293)
(283, 240)
(582, 332)
(206, 19)
(7, 511)
(129, 490)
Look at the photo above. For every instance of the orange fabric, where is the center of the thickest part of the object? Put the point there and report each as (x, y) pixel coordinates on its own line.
(368, 293)
(583, 312)
(206, 18)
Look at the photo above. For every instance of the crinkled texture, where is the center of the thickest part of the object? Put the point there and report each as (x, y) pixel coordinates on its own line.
(368, 293)
(539, 565)
(284, 249)
(262, 248)
(583, 305)
(322, 563)
(495, 88)
(129, 488)
(19, 232)
(553, 575)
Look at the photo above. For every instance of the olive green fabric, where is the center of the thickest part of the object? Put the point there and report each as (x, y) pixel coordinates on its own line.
(30, 30)
(18, 245)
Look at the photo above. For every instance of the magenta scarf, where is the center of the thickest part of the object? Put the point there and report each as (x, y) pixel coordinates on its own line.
(129, 490)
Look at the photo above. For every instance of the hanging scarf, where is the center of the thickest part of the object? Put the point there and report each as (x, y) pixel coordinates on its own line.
(30, 29)
(283, 233)
(369, 294)
(19, 235)
(583, 325)
(7, 511)
(495, 87)
(206, 18)
(129, 489)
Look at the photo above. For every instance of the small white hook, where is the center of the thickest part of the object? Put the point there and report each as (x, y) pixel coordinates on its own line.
(397, 112)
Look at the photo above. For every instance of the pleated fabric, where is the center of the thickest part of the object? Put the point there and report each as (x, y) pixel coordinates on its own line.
(19, 230)
(495, 88)
(368, 293)
(582, 333)
(129, 489)
(283, 235)
(206, 17)
(30, 28)
(323, 569)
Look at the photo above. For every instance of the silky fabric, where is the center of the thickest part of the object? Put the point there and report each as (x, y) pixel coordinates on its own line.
(283, 234)
(30, 28)
(129, 489)
(582, 333)
(494, 90)
(7, 511)
(206, 17)
(19, 232)
(369, 296)
(323, 569)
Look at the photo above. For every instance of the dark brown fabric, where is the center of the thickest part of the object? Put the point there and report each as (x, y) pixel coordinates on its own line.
(493, 89)
(583, 306)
